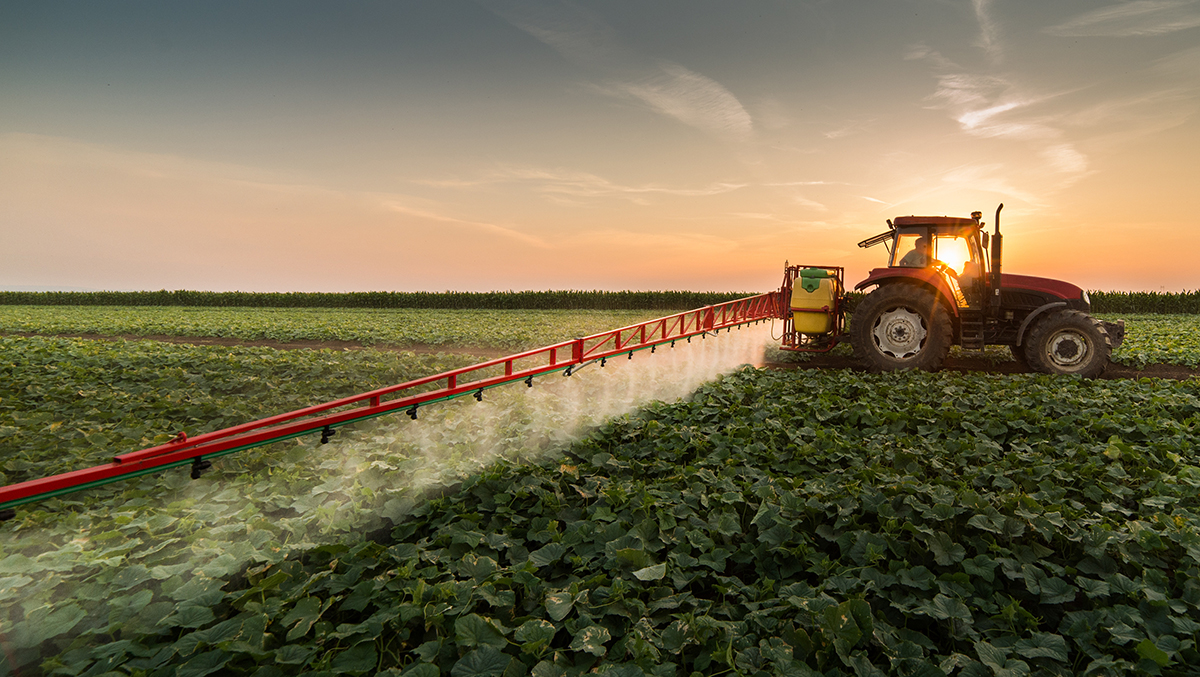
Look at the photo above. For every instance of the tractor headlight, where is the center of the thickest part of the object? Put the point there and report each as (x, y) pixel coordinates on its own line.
(1087, 300)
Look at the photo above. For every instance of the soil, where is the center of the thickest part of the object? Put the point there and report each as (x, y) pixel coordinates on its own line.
(816, 361)
(978, 364)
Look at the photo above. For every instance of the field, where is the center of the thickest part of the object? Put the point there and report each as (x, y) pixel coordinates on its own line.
(508, 330)
(772, 522)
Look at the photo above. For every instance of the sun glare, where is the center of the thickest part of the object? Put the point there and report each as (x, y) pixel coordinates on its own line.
(953, 252)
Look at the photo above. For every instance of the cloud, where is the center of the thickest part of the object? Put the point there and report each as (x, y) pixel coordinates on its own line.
(988, 30)
(693, 99)
(580, 184)
(1064, 159)
(1140, 18)
(492, 228)
(667, 88)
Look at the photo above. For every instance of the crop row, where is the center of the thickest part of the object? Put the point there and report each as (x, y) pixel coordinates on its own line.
(1150, 339)
(499, 329)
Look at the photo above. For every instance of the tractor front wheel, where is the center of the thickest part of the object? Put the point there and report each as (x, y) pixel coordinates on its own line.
(901, 326)
(1068, 342)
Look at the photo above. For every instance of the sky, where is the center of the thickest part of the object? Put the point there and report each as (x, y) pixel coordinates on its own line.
(623, 144)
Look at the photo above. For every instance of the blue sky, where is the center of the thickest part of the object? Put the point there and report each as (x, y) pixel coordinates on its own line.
(613, 145)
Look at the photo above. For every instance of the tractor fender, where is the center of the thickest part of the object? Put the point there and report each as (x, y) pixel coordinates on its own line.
(925, 276)
(1032, 316)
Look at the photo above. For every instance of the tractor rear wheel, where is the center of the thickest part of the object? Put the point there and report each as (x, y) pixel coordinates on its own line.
(901, 326)
(1068, 342)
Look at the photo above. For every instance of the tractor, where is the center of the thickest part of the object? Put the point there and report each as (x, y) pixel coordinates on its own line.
(942, 288)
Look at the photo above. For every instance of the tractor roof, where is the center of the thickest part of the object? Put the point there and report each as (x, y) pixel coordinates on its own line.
(944, 221)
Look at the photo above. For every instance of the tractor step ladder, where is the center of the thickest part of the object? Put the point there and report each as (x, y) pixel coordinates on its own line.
(971, 322)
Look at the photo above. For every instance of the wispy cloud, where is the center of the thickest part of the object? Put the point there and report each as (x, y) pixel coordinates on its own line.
(1140, 18)
(579, 184)
(989, 32)
(693, 99)
(669, 89)
(400, 208)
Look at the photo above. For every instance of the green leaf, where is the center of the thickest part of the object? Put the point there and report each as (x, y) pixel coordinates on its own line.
(944, 607)
(535, 630)
(473, 631)
(486, 661)
(651, 573)
(302, 617)
(1057, 591)
(189, 616)
(1044, 645)
(48, 622)
(840, 626)
(204, 664)
(592, 640)
(357, 659)
(945, 550)
(1148, 650)
(293, 654)
(997, 659)
(559, 604)
(547, 554)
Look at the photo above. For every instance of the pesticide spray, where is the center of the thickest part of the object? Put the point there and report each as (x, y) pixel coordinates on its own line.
(146, 561)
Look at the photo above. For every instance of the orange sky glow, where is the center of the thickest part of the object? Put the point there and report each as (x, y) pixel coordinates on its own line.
(505, 144)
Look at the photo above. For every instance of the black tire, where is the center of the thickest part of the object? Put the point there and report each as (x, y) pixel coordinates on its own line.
(901, 326)
(1068, 342)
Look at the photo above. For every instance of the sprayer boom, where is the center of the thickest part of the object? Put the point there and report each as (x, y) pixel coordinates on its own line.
(409, 397)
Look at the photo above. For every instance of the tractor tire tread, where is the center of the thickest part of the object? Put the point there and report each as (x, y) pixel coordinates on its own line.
(926, 303)
(1041, 331)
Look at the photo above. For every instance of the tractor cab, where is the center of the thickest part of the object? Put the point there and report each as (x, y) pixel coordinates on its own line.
(948, 252)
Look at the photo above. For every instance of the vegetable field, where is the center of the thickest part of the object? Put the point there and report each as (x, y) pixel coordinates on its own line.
(770, 523)
(499, 329)
(141, 549)
(1150, 339)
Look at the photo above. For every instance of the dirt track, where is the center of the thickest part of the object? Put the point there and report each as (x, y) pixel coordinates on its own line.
(969, 364)
(817, 361)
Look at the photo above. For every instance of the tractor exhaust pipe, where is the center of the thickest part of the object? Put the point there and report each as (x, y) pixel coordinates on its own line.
(997, 255)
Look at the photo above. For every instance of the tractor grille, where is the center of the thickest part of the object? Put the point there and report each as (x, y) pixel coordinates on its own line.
(1019, 299)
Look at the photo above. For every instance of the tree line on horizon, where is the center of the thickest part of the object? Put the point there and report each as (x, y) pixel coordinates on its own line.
(1185, 302)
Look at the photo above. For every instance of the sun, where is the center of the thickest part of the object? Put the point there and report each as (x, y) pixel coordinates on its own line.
(952, 251)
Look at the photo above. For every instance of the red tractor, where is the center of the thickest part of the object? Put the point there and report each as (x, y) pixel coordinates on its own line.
(941, 288)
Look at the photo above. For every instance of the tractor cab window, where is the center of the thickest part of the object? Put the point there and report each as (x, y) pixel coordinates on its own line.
(953, 251)
(912, 250)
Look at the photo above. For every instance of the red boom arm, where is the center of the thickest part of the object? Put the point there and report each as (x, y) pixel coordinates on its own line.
(407, 396)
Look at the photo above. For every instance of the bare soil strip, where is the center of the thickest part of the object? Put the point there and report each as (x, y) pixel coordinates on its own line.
(816, 361)
(979, 364)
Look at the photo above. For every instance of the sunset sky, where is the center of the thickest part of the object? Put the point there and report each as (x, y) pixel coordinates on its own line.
(502, 144)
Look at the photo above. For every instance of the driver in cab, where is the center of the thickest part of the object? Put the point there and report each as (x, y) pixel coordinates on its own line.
(919, 256)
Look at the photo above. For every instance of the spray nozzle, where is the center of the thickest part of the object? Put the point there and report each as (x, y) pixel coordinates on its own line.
(326, 433)
(529, 382)
(412, 412)
(199, 465)
(479, 395)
